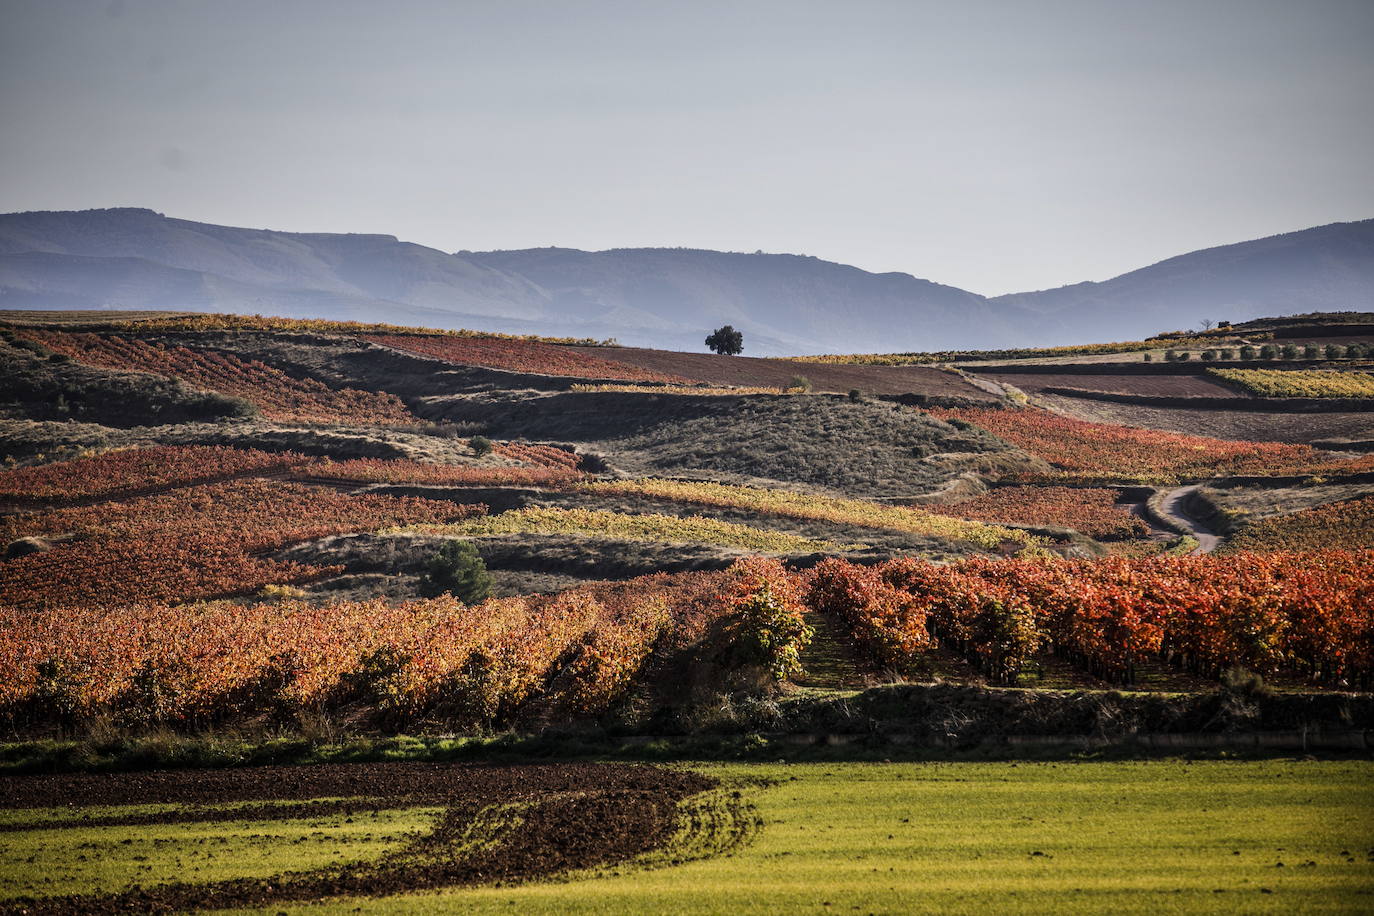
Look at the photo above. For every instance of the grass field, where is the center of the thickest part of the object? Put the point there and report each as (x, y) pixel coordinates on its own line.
(58, 854)
(1163, 836)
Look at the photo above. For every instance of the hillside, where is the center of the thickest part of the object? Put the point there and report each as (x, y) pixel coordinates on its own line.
(132, 258)
(649, 297)
(1328, 268)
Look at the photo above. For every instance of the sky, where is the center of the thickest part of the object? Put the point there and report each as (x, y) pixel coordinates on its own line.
(994, 146)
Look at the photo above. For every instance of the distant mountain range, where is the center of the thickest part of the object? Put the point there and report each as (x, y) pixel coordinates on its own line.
(661, 297)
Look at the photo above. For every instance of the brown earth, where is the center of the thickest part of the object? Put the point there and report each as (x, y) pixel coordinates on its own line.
(1172, 386)
(1249, 425)
(754, 371)
(576, 816)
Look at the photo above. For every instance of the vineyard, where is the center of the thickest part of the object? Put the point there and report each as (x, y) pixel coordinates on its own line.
(379, 470)
(1091, 452)
(197, 542)
(648, 528)
(685, 389)
(1348, 525)
(1090, 510)
(820, 508)
(1302, 383)
(577, 652)
(1310, 614)
(132, 470)
(515, 355)
(276, 395)
(580, 651)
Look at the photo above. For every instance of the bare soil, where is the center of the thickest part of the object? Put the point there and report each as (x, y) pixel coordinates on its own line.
(754, 371)
(576, 816)
(1177, 386)
(1249, 425)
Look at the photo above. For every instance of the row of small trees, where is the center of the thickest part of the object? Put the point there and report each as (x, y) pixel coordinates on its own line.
(1271, 352)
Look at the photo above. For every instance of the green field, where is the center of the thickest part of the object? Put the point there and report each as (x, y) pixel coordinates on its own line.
(60, 855)
(1135, 837)
(1164, 836)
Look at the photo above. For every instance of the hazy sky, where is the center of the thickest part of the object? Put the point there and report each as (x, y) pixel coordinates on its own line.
(996, 146)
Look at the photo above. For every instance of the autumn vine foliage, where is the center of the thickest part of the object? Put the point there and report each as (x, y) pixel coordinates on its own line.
(769, 627)
(515, 355)
(137, 470)
(1090, 452)
(275, 394)
(195, 542)
(415, 663)
(1310, 614)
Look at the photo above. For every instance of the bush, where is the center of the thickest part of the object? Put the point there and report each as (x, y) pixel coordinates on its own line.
(481, 445)
(1290, 351)
(799, 383)
(1248, 352)
(1228, 354)
(1171, 356)
(1149, 357)
(1268, 351)
(1183, 356)
(1209, 355)
(855, 394)
(1310, 352)
(457, 570)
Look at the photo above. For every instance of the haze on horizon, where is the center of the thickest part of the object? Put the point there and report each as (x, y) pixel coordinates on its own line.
(995, 146)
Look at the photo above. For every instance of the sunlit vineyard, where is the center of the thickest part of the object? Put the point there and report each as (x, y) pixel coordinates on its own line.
(1348, 524)
(684, 389)
(1301, 383)
(1308, 614)
(519, 356)
(197, 542)
(821, 508)
(1090, 452)
(393, 471)
(137, 469)
(648, 527)
(1090, 510)
(435, 659)
(276, 395)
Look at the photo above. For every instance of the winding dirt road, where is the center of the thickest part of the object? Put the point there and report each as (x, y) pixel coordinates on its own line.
(1171, 507)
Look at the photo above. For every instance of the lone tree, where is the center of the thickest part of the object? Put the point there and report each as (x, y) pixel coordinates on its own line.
(459, 571)
(726, 341)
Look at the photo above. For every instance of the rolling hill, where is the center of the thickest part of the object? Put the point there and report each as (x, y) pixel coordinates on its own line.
(661, 297)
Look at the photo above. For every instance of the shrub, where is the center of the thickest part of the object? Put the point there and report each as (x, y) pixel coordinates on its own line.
(1268, 351)
(1209, 355)
(1310, 352)
(1149, 357)
(769, 629)
(1228, 354)
(1334, 351)
(799, 383)
(1289, 351)
(457, 570)
(1183, 356)
(1247, 352)
(855, 394)
(1171, 356)
(481, 445)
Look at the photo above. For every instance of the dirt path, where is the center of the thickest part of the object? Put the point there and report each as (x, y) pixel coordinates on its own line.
(1171, 507)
